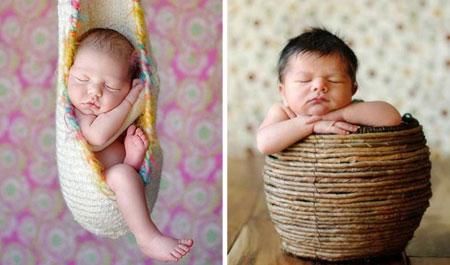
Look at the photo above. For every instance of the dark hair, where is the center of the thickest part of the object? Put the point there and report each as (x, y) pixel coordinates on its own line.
(322, 42)
(113, 43)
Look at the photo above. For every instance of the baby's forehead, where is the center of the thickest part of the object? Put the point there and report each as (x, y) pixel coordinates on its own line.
(316, 61)
(91, 53)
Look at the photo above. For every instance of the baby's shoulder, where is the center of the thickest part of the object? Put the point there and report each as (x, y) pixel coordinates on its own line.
(277, 107)
(278, 110)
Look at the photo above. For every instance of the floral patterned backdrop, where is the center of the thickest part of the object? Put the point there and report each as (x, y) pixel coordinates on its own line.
(35, 225)
(403, 48)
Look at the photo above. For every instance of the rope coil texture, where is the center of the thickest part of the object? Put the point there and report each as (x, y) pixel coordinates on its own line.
(336, 198)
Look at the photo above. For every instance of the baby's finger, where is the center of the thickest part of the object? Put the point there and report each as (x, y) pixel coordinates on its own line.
(137, 82)
(312, 119)
(338, 130)
(134, 93)
(346, 126)
(289, 112)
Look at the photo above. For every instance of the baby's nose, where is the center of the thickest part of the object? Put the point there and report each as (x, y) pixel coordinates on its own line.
(320, 86)
(95, 90)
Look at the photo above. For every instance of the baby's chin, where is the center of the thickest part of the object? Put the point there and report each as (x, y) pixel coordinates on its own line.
(318, 110)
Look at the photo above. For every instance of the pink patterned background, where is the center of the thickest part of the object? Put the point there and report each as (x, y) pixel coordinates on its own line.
(35, 225)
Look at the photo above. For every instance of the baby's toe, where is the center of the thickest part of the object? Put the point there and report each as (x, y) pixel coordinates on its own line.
(183, 248)
(176, 255)
(186, 242)
(139, 132)
(131, 130)
(180, 251)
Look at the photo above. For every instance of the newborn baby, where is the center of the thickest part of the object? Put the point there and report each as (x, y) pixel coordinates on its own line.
(102, 86)
(317, 79)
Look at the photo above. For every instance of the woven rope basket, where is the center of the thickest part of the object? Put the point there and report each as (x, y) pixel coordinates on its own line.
(336, 198)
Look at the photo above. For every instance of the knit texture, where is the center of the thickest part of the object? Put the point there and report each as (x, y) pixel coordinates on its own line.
(81, 175)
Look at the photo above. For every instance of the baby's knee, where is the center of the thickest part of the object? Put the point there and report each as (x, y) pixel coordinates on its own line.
(120, 175)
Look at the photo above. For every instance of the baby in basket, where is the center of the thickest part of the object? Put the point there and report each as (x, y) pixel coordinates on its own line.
(317, 79)
(102, 86)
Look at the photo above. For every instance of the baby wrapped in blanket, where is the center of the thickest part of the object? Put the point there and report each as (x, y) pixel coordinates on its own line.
(102, 86)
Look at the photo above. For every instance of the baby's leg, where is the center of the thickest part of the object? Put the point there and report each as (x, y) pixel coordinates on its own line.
(129, 189)
(135, 146)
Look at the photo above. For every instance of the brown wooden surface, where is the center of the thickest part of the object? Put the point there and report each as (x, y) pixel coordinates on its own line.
(429, 261)
(244, 184)
(252, 238)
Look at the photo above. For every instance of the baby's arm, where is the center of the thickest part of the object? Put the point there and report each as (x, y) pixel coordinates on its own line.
(281, 128)
(100, 129)
(375, 113)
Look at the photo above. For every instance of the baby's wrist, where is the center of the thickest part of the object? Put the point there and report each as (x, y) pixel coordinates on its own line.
(129, 102)
(304, 123)
(344, 114)
(311, 129)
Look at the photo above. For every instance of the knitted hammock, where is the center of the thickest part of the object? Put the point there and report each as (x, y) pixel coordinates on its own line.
(81, 175)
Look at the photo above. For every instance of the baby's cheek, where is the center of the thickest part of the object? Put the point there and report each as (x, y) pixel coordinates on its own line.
(71, 92)
(75, 94)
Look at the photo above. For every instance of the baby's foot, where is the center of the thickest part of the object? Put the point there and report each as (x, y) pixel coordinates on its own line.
(165, 248)
(135, 147)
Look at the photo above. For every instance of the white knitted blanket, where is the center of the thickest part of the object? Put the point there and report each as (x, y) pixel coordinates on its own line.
(91, 208)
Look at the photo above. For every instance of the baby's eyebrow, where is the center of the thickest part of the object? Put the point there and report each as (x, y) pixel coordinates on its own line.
(78, 69)
(337, 74)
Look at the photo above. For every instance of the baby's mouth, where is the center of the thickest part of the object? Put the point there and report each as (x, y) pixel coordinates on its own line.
(318, 100)
(92, 105)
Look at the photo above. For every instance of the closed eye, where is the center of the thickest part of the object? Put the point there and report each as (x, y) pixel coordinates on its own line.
(335, 81)
(111, 88)
(82, 80)
(303, 81)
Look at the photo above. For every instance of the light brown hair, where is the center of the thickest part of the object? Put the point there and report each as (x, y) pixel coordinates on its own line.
(112, 43)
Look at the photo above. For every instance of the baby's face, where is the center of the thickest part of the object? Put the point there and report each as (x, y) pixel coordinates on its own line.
(98, 82)
(315, 85)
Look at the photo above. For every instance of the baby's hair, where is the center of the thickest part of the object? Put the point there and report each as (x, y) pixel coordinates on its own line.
(113, 43)
(322, 42)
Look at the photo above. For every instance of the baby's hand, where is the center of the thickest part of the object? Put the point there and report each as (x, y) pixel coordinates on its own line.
(306, 119)
(335, 127)
(135, 90)
(289, 112)
(336, 115)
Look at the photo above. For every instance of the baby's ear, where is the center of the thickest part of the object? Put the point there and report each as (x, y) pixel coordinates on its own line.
(354, 88)
(134, 64)
(280, 87)
(134, 57)
(281, 90)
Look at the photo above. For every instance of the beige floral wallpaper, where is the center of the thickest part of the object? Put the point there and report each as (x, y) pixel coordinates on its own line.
(403, 47)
